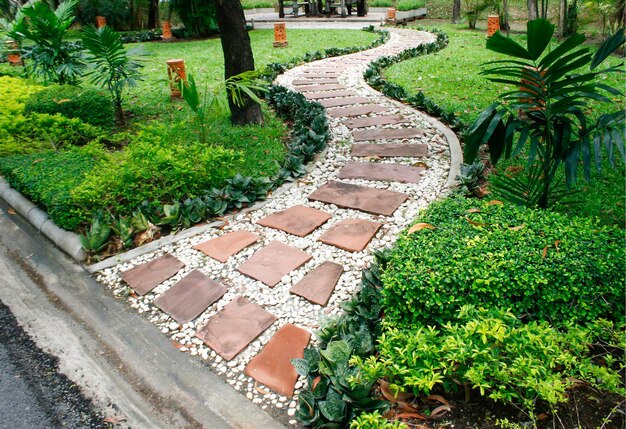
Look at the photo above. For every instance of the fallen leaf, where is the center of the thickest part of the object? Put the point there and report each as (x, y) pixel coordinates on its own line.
(556, 244)
(495, 203)
(545, 252)
(471, 222)
(11, 211)
(65, 100)
(316, 380)
(176, 344)
(440, 410)
(261, 391)
(542, 416)
(114, 420)
(474, 210)
(411, 416)
(406, 407)
(421, 164)
(438, 398)
(420, 226)
(388, 394)
(517, 228)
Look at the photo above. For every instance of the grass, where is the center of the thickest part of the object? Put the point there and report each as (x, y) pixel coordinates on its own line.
(450, 77)
(401, 4)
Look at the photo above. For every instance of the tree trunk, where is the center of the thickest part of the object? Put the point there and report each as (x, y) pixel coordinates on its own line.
(532, 9)
(153, 14)
(504, 17)
(238, 57)
(562, 19)
(456, 12)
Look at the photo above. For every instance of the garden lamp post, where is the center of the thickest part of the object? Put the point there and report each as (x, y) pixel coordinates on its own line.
(176, 73)
(280, 35)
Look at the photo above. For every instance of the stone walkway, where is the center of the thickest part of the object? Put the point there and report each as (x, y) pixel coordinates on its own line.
(246, 298)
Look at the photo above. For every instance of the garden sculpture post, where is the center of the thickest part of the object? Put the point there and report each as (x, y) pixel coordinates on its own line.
(280, 35)
(167, 30)
(176, 73)
(101, 21)
(493, 24)
(13, 56)
(391, 14)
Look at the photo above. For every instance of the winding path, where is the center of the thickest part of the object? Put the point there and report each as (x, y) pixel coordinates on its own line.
(247, 297)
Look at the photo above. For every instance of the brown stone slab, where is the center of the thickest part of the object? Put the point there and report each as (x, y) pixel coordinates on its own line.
(231, 330)
(311, 81)
(326, 69)
(386, 134)
(271, 263)
(318, 285)
(225, 246)
(346, 112)
(296, 220)
(145, 277)
(381, 172)
(272, 367)
(328, 94)
(371, 200)
(189, 297)
(351, 234)
(313, 74)
(329, 87)
(334, 102)
(390, 150)
(375, 121)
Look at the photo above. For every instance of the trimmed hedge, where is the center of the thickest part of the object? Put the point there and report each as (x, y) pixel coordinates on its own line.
(89, 105)
(541, 265)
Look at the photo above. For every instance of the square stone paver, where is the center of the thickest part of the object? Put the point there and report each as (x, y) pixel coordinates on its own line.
(371, 200)
(329, 87)
(231, 330)
(386, 134)
(347, 101)
(381, 172)
(375, 120)
(272, 262)
(315, 75)
(296, 220)
(390, 150)
(189, 297)
(318, 285)
(225, 246)
(351, 234)
(272, 367)
(145, 277)
(311, 81)
(347, 112)
(328, 94)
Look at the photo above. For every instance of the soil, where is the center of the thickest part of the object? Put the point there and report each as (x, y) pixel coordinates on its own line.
(32, 390)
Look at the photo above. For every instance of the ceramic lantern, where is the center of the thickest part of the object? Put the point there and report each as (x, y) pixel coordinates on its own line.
(493, 24)
(101, 21)
(280, 35)
(167, 30)
(176, 74)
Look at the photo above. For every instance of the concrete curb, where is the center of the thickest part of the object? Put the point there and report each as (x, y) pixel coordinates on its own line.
(65, 240)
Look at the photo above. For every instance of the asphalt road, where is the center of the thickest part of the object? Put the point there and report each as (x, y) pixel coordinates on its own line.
(33, 393)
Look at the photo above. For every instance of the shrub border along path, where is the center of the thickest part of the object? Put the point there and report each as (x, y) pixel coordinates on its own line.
(346, 74)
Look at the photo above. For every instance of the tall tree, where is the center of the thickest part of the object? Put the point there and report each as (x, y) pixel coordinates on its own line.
(153, 14)
(238, 57)
(456, 12)
(532, 9)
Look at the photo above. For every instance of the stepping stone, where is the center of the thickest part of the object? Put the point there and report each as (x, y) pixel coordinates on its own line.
(237, 325)
(326, 69)
(351, 234)
(386, 134)
(390, 150)
(272, 367)
(381, 172)
(271, 263)
(189, 297)
(330, 87)
(318, 285)
(333, 102)
(346, 112)
(225, 246)
(329, 94)
(312, 81)
(296, 220)
(319, 75)
(371, 200)
(145, 277)
(375, 121)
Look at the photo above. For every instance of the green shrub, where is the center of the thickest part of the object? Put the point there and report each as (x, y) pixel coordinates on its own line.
(498, 356)
(156, 169)
(47, 178)
(375, 421)
(542, 265)
(89, 105)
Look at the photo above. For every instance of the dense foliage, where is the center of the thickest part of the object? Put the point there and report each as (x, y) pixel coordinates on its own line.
(494, 354)
(89, 105)
(543, 266)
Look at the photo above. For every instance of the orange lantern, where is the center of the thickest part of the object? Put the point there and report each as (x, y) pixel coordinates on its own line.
(280, 35)
(167, 30)
(176, 73)
(13, 56)
(391, 14)
(101, 21)
(493, 25)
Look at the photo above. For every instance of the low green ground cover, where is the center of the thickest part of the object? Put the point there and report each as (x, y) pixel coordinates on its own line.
(401, 4)
(180, 167)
